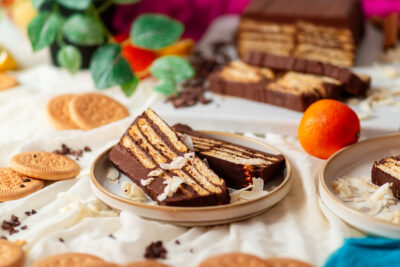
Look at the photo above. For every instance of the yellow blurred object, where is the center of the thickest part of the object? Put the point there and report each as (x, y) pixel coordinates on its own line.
(7, 62)
(21, 12)
(183, 47)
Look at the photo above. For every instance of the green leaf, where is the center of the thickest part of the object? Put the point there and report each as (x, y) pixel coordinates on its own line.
(130, 87)
(155, 31)
(70, 57)
(125, 2)
(37, 4)
(42, 30)
(109, 68)
(166, 87)
(173, 68)
(75, 4)
(83, 30)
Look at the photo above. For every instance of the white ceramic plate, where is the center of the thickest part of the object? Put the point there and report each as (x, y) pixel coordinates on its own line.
(357, 161)
(111, 193)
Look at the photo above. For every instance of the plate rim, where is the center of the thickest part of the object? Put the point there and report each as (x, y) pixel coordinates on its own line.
(286, 181)
(336, 200)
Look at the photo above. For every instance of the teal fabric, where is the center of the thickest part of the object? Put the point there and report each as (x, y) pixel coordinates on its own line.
(366, 252)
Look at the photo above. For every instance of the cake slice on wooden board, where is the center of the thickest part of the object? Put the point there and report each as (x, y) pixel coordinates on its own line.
(235, 163)
(153, 156)
(387, 170)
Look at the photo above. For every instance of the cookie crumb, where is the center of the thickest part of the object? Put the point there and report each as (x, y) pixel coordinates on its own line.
(155, 250)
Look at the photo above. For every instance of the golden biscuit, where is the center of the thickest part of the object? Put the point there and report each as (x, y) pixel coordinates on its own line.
(7, 81)
(147, 263)
(69, 260)
(92, 110)
(45, 165)
(58, 112)
(11, 255)
(234, 260)
(14, 185)
(285, 262)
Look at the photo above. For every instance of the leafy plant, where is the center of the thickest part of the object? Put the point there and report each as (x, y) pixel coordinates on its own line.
(108, 66)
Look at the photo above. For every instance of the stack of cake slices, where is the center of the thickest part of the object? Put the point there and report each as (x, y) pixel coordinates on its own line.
(327, 31)
(156, 158)
(286, 81)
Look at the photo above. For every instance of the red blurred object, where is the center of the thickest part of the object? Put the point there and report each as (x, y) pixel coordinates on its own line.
(122, 37)
(140, 59)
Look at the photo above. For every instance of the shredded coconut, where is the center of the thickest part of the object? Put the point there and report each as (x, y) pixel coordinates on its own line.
(171, 188)
(364, 195)
(93, 207)
(187, 140)
(113, 175)
(257, 190)
(147, 181)
(178, 162)
(155, 173)
(132, 191)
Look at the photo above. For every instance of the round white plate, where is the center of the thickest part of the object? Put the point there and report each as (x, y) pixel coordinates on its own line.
(112, 195)
(357, 161)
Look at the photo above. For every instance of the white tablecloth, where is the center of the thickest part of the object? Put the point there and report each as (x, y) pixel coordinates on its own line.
(296, 227)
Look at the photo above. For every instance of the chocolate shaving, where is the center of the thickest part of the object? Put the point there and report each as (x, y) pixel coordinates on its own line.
(10, 225)
(155, 250)
(33, 211)
(65, 150)
(177, 242)
(61, 240)
(27, 213)
(24, 227)
(111, 236)
(194, 88)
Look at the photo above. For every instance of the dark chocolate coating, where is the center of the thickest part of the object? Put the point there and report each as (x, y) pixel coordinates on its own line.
(354, 85)
(235, 175)
(339, 13)
(380, 177)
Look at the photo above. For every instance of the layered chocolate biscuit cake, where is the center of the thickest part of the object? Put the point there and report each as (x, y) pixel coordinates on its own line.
(235, 163)
(355, 83)
(153, 156)
(327, 31)
(387, 170)
(291, 90)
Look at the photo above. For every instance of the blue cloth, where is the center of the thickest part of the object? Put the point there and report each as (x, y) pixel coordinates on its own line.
(366, 252)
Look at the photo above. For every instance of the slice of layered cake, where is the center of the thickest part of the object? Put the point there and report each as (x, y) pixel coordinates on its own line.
(291, 90)
(387, 170)
(327, 31)
(235, 163)
(153, 156)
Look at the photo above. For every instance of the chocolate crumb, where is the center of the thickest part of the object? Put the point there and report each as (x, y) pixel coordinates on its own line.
(61, 240)
(26, 180)
(87, 149)
(21, 185)
(155, 250)
(24, 227)
(14, 218)
(65, 150)
(111, 236)
(3, 237)
(191, 250)
(177, 242)
(33, 211)
(27, 213)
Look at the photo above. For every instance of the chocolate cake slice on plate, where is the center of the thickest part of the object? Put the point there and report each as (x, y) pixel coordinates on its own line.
(387, 170)
(235, 163)
(153, 156)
